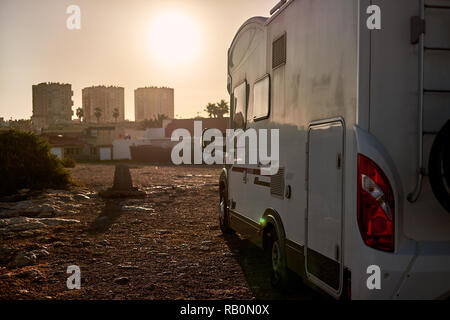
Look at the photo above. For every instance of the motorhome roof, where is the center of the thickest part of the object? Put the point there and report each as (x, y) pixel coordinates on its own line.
(260, 20)
(265, 20)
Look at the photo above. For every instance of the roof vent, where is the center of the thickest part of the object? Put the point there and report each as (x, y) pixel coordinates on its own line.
(279, 52)
(278, 6)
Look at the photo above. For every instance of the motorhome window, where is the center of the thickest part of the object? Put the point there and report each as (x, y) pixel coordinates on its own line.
(240, 106)
(261, 99)
(279, 52)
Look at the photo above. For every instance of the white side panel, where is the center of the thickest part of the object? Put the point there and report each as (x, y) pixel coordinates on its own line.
(105, 154)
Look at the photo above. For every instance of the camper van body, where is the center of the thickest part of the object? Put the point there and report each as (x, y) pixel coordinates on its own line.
(340, 93)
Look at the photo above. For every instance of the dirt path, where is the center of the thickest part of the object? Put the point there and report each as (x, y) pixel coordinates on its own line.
(166, 246)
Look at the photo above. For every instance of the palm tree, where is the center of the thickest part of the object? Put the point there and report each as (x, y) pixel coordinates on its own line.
(98, 114)
(222, 108)
(116, 113)
(80, 113)
(211, 109)
(160, 119)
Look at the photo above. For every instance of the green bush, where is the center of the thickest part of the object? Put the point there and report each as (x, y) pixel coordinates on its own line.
(68, 163)
(26, 162)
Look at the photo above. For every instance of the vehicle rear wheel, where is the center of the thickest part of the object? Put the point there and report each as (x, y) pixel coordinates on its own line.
(439, 167)
(224, 219)
(279, 274)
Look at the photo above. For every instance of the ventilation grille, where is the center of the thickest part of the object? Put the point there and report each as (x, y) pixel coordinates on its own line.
(277, 184)
(279, 52)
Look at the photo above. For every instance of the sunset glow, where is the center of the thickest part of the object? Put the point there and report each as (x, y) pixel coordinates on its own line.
(174, 38)
(131, 44)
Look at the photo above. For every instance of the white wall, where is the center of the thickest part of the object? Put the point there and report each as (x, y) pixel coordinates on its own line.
(121, 148)
(155, 133)
(135, 134)
(105, 154)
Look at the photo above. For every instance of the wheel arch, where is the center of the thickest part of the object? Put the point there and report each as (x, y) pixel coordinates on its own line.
(223, 180)
(272, 219)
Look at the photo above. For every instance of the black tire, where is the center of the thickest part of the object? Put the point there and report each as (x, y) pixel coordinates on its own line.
(279, 271)
(439, 167)
(224, 217)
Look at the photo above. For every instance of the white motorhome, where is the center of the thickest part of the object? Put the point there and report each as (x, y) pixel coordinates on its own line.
(360, 205)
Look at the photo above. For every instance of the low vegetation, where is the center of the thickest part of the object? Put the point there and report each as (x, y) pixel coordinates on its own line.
(68, 163)
(26, 163)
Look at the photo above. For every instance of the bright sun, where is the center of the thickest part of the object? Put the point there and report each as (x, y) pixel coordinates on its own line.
(174, 38)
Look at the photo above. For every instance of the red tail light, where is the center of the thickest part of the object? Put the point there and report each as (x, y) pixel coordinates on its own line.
(376, 206)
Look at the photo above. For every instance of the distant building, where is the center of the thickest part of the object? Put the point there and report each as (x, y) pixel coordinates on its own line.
(52, 104)
(158, 149)
(222, 124)
(150, 102)
(4, 126)
(94, 142)
(107, 99)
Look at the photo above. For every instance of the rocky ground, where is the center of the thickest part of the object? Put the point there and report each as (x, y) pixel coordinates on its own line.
(165, 246)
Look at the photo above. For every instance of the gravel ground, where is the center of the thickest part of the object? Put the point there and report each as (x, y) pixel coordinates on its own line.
(166, 246)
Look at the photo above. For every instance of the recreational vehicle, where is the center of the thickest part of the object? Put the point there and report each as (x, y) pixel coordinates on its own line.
(360, 93)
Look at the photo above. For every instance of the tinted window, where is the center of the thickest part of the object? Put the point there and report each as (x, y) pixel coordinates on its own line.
(240, 106)
(261, 99)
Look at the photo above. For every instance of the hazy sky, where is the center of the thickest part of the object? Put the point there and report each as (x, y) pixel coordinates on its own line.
(128, 43)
